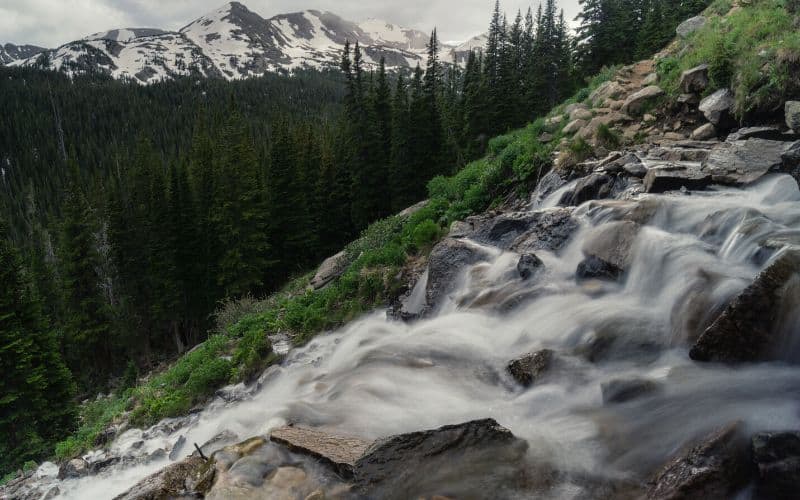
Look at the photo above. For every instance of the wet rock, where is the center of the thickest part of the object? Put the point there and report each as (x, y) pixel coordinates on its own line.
(574, 126)
(77, 467)
(743, 162)
(329, 270)
(447, 260)
(746, 330)
(621, 338)
(528, 369)
(703, 132)
(717, 108)
(695, 80)
(169, 482)
(106, 435)
(104, 463)
(592, 187)
(594, 268)
(177, 448)
(528, 265)
(626, 389)
(674, 176)
(419, 463)
(612, 243)
(777, 456)
(339, 452)
(769, 133)
(691, 25)
(548, 229)
(714, 468)
(792, 114)
(217, 442)
(636, 102)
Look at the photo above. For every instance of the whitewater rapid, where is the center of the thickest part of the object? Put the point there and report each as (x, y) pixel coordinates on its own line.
(377, 377)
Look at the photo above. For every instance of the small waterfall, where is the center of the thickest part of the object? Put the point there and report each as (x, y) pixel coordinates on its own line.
(377, 377)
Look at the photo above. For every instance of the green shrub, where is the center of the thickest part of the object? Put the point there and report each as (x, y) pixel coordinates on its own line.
(425, 234)
(721, 65)
(607, 137)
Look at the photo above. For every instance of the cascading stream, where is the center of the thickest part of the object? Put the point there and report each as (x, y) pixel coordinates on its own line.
(377, 377)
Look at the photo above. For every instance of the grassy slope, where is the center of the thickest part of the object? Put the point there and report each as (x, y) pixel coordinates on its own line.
(241, 349)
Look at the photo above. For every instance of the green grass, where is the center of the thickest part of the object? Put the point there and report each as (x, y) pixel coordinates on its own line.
(755, 51)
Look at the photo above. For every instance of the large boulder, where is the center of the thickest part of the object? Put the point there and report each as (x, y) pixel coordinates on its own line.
(612, 243)
(690, 25)
(184, 479)
(675, 175)
(715, 468)
(574, 126)
(636, 102)
(607, 90)
(594, 268)
(592, 187)
(77, 467)
(337, 451)
(746, 329)
(331, 268)
(777, 456)
(531, 367)
(792, 113)
(580, 114)
(743, 162)
(718, 108)
(447, 260)
(694, 80)
(525, 232)
(422, 463)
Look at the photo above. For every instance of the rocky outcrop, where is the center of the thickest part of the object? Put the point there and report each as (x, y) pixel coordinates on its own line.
(528, 369)
(746, 330)
(777, 456)
(717, 108)
(674, 176)
(742, 162)
(330, 269)
(695, 80)
(447, 260)
(792, 115)
(337, 451)
(626, 389)
(607, 90)
(525, 232)
(691, 25)
(187, 478)
(715, 468)
(636, 102)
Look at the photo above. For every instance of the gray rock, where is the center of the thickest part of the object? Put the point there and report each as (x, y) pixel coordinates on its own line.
(704, 132)
(592, 187)
(580, 114)
(331, 268)
(528, 265)
(691, 25)
(676, 175)
(612, 243)
(337, 451)
(650, 79)
(626, 389)
(77, 467)
(447, 260)
(525, 232)
(689, 99)
(574, 126)
(169, 482)
(695, 80)
(594, 268)
(743, 162)
(636, 102)
(777, 455)
(177, 448)
(746, 330)
(769, 133)
(607, 90)
(718, 108)
(531, 367)
(792, 113)
(714, 468)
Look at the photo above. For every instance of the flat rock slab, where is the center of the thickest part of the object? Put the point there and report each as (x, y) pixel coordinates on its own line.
(340, 452)
(673, 176)
(745, 161)
(746, 329)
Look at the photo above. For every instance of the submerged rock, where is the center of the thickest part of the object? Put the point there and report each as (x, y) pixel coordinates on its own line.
(594, 268)
(715, 468)
(529, 368)
(528, 265)
(746, 329)
(625, 389)
(777, 456)
(612, 243)
(447, 260)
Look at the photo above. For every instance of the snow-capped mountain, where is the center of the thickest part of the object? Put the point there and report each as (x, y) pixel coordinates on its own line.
(10, 52)
(233, 42)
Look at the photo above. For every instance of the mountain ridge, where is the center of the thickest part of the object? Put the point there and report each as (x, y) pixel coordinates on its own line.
(233, 42)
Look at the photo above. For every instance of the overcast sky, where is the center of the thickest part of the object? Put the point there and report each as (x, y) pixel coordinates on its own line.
(51, 23)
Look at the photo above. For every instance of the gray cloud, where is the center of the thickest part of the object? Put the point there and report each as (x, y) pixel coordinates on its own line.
(53, 22)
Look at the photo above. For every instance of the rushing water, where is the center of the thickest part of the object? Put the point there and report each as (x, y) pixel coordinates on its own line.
(377, 377)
